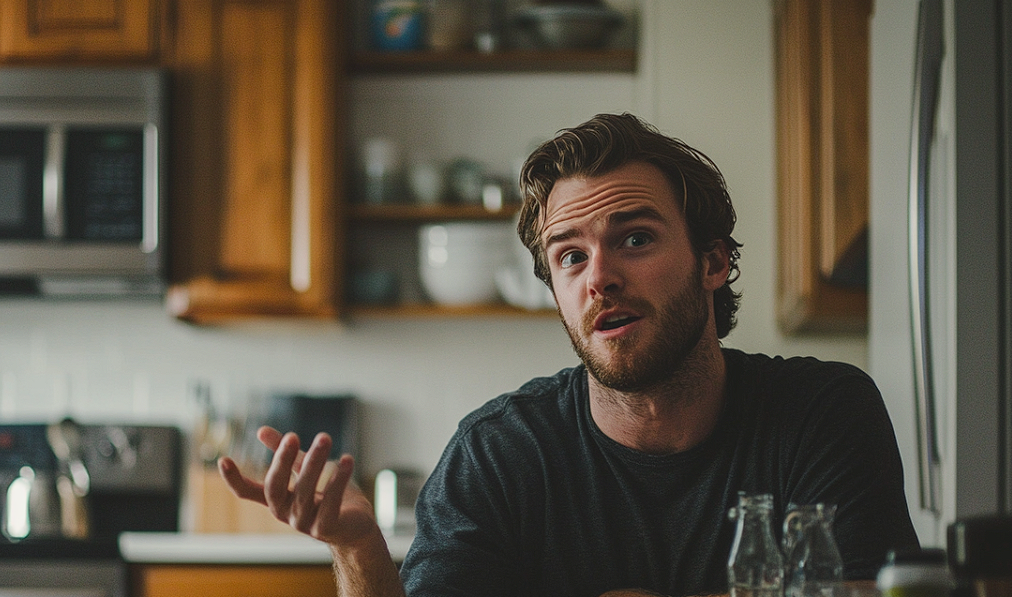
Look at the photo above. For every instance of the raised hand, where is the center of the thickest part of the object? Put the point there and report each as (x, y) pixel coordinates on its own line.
(305, 491)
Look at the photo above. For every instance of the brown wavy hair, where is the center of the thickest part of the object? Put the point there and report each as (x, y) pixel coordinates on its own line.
(609, 141)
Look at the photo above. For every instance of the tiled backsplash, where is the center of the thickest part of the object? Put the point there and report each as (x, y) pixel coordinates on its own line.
(128, 361)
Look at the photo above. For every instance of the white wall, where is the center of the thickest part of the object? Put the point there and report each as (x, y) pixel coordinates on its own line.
(705, 76)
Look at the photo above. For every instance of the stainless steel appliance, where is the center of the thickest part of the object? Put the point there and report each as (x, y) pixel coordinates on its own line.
(82, 193)
(940, 335)
(134, 484)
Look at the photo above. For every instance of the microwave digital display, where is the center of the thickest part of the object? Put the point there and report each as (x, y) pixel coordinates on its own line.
(104, 182)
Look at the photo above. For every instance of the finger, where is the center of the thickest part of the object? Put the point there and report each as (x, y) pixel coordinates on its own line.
(333, 490)
(278, 476)
(304, 505)
(241, 486)
(271, 438)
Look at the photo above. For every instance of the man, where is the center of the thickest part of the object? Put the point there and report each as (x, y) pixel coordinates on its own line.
(618, 474)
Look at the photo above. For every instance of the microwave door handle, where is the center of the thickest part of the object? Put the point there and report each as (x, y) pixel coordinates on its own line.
(926, 83)
(52, 183)
(149, 237)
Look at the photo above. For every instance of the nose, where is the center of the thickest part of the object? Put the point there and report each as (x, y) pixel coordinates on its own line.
(604, 277)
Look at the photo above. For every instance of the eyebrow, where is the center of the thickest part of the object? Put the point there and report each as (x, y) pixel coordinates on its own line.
(618, 217)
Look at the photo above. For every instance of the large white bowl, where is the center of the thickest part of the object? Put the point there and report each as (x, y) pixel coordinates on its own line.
(458, 261)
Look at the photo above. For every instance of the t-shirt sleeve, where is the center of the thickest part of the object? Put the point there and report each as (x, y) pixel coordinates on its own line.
(846, 454)
(463, 544)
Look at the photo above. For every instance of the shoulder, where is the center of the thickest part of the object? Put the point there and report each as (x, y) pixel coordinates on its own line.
(792, 374)
(540, 401)
(792, 368)
(802, 382)
(512, 432)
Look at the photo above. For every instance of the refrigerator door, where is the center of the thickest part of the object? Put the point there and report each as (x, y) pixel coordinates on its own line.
(958, 343)
(893, 50)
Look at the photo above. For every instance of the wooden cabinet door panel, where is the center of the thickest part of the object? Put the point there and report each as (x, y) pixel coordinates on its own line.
(257, 78)
(87, 30)
(177, 580)
(822, 161)
(256, 189)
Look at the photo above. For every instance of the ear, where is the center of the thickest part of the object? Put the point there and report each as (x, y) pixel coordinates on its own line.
(716, 266)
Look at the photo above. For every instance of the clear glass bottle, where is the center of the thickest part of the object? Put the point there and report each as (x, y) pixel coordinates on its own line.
(755, 567)
(813, 566)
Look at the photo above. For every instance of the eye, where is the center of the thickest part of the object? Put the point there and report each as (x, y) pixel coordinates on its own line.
(637, 239)
(572, 258)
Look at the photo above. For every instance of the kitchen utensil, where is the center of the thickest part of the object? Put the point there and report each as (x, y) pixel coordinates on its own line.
(213, 430)
(72, 479)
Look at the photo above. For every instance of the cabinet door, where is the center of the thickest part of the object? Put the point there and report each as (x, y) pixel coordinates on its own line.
(85, 30)
(233, 581)
(255, 171)
(822, 164)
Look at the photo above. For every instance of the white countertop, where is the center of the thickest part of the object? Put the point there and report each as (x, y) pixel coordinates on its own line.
(235, 548)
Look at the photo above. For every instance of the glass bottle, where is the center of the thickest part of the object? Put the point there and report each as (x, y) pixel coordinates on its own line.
(755, 566)
(813, 564)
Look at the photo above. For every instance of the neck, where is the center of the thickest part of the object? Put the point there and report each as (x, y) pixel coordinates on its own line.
(672, 416)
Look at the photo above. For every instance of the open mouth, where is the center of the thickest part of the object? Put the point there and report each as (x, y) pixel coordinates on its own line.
(615, 322)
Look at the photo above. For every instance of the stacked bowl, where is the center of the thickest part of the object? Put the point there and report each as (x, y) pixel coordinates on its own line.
(458, 261)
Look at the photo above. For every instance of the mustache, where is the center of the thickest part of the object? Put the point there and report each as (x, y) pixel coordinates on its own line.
(640, 306)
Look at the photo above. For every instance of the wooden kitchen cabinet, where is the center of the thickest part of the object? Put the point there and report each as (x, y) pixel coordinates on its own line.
(79, 30)
(216, 580)
(822, 163)
(255, 179)
(258, 178)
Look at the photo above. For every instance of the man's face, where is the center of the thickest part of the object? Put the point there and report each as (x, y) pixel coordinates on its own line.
(628, 285)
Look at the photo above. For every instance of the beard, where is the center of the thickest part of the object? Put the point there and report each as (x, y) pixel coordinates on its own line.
(631, 364)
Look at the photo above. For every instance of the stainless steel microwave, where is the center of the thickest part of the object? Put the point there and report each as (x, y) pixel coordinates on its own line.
(82, 189)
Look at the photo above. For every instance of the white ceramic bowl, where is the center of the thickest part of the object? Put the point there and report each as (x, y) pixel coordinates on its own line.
(458, 261)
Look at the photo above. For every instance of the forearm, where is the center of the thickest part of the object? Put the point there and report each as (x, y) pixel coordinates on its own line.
(366, 569)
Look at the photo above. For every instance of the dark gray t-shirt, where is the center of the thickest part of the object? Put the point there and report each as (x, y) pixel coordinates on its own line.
(531, 498)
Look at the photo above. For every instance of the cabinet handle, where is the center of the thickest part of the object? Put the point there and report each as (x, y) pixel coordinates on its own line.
(52, 183)
(300, 273)
(149, 237)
